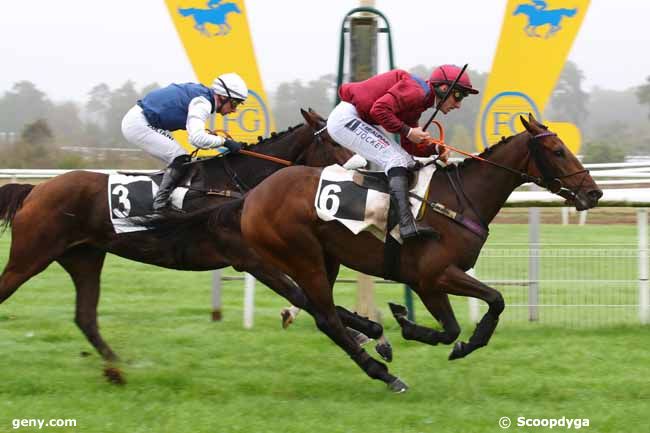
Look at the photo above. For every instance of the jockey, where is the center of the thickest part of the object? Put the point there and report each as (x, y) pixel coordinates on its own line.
(395, 100)
(181, 106)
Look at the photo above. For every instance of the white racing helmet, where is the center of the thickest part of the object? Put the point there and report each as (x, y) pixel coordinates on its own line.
(231, 86)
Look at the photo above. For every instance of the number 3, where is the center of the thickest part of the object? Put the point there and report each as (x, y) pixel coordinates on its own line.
(124, 209)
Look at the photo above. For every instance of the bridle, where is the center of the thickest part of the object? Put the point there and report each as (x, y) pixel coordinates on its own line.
(548, 179)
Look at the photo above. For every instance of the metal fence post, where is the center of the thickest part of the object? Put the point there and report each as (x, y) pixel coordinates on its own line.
(249, 300)
(216, 295)
(533, 262)
(644, 289)
(474, 313)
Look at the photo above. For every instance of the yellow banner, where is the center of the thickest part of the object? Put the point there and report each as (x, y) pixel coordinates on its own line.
(217, 40)
(535, 41)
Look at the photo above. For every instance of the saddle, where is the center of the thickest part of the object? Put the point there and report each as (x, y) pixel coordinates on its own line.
(378, 181)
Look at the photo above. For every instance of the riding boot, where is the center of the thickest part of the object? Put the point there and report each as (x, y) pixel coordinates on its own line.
(173, 174)
(408, 227)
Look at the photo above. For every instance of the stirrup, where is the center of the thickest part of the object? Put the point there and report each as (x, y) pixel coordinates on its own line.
(419, 231)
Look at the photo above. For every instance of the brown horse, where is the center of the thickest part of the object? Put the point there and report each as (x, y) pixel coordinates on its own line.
(310, 250)
(66, 220)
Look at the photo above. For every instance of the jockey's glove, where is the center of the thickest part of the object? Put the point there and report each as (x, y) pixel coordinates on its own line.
(232, 145)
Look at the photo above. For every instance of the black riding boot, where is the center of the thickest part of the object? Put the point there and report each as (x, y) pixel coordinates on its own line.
(172, 176)
(408, 228)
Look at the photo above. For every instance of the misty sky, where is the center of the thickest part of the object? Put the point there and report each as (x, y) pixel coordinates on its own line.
(65, 47)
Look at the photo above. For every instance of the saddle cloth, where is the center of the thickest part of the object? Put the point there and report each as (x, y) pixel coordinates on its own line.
(132, 196)
(340, 198)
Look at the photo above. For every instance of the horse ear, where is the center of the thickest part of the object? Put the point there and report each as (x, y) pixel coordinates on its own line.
(525, 123)
(307, 117)
(532, 119)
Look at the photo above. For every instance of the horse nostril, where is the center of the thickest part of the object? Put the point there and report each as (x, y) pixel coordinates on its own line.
(596, 194)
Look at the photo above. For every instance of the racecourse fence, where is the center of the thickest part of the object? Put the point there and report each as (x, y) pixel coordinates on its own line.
(564, 285)
(572, 286)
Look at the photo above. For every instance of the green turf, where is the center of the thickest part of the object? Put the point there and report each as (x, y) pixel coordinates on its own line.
(188, 374)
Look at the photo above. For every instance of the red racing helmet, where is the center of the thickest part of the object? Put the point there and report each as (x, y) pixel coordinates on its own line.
(446, 74)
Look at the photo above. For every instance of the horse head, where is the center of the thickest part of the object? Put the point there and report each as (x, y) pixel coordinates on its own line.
(569, 12)
(322, 150)
(525, 9)
(229, 7)
(556, 166)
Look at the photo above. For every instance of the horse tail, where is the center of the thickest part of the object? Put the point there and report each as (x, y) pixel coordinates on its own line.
(227, 215)
(12, 196)
(187, 11)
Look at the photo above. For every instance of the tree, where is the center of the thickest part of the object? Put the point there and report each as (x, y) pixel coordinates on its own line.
(98, 104)
(643, 94)
(37, 133)
(569, 101)
(66, 125)
(290, 97)
(603, 152)
(119, 102)
(22, 105)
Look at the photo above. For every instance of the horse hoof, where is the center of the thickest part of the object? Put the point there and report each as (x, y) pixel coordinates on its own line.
(458, 351)
(385, 350)
(114, 376)
(359, 337)
(397, 386)
(287, 318)
(399, 311)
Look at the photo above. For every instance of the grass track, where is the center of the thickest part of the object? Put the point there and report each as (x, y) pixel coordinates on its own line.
(187, 374)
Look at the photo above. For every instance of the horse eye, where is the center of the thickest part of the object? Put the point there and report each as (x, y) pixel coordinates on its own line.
(559, 152)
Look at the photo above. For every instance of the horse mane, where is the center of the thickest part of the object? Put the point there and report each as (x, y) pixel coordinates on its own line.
(274, 136)
(487, 152)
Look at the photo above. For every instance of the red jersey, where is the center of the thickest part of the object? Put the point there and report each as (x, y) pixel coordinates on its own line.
(394, 100)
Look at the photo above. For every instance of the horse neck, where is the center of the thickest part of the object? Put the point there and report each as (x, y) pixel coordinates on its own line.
(488, 187)
(227, 7)
(286, 145)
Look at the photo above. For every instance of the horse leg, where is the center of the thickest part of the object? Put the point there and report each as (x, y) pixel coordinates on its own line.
(456, 282)
(438, 305)
(306, 263)
(84, 264)
(328, 321)
(32, 250)
(289, 314)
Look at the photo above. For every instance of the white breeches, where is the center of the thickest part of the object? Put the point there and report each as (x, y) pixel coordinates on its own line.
(156, 142)
(346, 127)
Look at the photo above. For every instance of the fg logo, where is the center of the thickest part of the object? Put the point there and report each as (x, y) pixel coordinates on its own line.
(501, 116)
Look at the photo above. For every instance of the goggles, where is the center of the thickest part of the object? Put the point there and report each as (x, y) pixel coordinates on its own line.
(459, 95)
(235, 102)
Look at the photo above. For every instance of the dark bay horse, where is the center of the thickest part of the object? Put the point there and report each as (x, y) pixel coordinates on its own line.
(310, 250)
(66, 220)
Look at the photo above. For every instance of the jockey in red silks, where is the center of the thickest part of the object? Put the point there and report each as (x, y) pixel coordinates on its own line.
(395, 100)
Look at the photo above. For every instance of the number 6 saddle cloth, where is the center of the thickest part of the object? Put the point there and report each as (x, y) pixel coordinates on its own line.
(340, 197)
(130, 197)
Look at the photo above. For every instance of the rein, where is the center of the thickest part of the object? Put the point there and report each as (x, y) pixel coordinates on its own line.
(548, 182)
(263, 156)
(241, 185)
(266, 157)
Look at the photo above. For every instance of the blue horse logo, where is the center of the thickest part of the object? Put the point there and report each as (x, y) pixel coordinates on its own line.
(216, 14)
(538, 16)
